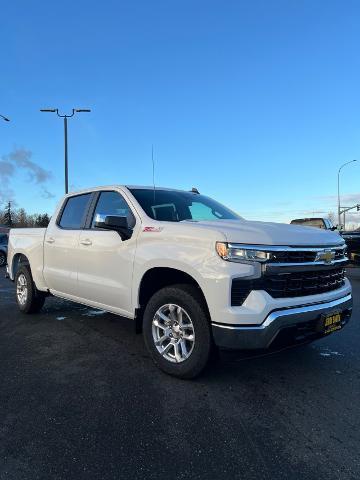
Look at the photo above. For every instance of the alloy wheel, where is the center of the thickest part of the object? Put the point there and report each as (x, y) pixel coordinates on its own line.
(22, 289)
(173, 333)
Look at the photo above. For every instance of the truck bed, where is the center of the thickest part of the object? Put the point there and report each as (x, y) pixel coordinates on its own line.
(29, 242)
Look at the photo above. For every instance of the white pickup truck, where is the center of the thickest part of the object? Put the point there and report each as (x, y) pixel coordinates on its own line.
(192, 274)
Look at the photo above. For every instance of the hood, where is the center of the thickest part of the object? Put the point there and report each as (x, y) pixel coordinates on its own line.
(266, 233)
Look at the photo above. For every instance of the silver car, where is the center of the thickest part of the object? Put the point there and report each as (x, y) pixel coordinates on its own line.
(3, 249)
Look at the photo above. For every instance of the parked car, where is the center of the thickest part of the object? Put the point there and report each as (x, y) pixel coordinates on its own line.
(317, 222)
(352, 240)
(3, 249)
(192, 274)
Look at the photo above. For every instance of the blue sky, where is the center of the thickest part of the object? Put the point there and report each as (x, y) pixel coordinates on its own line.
(255, 103)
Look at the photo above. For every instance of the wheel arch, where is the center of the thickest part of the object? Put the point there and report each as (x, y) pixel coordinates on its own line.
(19, 259)
(159, 277)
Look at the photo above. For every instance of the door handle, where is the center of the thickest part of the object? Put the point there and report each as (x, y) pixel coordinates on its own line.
(50, 240)
(86, 242)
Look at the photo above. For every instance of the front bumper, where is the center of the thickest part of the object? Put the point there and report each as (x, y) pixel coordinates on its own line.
(298, 323)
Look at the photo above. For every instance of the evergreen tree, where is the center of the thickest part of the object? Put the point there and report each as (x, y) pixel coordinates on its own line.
(8, 217)
(42, 220)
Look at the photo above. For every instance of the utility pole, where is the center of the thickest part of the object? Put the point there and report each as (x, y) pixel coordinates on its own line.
(65, 117)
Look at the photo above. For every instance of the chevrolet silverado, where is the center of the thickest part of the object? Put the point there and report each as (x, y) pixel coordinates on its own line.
(192, 274)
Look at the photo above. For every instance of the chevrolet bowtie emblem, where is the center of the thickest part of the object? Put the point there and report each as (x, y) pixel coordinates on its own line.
(326, 256)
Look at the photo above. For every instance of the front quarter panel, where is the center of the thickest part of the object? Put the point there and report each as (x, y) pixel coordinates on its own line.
(192, 252)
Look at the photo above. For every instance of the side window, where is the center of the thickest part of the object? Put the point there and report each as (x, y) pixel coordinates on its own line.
(73, 215)
(112, 203)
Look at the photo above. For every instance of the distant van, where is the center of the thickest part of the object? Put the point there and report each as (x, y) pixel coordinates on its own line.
(319, 222)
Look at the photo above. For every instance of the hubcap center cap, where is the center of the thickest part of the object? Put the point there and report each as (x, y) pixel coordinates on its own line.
(176, 331)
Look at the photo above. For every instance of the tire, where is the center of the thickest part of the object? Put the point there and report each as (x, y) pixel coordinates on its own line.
(2, 259)
(28, 297)
(176, 318)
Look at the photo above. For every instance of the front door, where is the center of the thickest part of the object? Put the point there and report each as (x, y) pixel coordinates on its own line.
(105, 260)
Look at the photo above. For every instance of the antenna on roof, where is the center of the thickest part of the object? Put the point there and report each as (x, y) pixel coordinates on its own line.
(153, 168)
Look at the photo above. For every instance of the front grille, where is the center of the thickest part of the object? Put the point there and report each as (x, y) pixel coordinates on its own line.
(288, 256)
(302, 256)
(298, 284)
(340, 254)
(289, 284)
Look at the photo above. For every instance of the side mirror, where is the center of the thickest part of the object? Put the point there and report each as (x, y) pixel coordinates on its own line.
(115, 223)
(112, 222)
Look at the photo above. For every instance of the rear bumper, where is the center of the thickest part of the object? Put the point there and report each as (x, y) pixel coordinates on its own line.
(299, 322)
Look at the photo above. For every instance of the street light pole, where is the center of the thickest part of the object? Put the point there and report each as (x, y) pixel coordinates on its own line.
(65, 117)
(66, 156)
(339, 207)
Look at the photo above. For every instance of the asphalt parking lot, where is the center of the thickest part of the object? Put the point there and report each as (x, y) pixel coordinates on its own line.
(80, 399)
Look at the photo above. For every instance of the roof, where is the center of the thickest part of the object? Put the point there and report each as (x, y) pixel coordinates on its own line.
(110, 187)
(144, 187)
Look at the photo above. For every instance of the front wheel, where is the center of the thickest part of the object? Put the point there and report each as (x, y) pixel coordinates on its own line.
(177, 331)
(28, 297)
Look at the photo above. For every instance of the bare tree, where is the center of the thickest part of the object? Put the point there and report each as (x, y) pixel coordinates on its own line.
(22, 217)
(332, 218)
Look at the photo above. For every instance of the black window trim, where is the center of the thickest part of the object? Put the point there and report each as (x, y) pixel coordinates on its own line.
(93, 205)
(85, 215)
(91, 210)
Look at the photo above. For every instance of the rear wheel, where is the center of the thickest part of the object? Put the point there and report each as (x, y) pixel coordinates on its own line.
(28, 297)
(177, 331)
(2, 259)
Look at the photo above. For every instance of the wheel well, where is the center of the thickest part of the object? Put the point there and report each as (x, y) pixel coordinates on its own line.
(157, 278)
(19, 259)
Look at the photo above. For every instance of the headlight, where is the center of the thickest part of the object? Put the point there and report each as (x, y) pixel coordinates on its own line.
(233, 252)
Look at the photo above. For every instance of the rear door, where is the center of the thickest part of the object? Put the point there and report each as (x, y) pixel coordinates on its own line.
(105, 260)
(61, 245)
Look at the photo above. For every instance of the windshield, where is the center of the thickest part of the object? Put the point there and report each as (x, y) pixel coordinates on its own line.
(176, 206)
